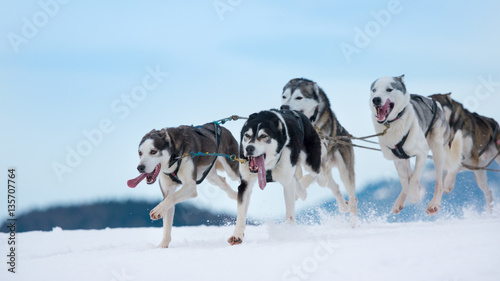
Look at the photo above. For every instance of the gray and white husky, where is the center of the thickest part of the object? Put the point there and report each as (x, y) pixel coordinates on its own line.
(476, 140)
(161, 154)
(305, 96)
(417, 124)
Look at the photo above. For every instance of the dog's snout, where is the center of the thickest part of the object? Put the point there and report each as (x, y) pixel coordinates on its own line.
(285, 106)
(141, 168)
(250, 150)
(377, 101)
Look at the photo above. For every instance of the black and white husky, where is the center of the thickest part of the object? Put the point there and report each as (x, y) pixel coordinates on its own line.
(275, 143)
(417, 124)
(305, 96)
(164, 153)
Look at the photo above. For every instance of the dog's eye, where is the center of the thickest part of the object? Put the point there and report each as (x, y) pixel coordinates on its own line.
(248, 136)
(284, 97)
(262, 136)
(298, 98)
(153, 152)
(140, 153)
(389, 90)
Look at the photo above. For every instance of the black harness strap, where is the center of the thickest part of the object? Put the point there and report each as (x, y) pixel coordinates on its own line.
(398, 150)
(315, 115)
(173, 176)
(217, 133)
(434, 113)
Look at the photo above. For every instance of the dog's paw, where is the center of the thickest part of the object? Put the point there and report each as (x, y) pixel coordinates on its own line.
(343, 206)
(233, 194)
(448, 187)
(233, 240)
(300, 193)
(156, 213)
(400, 204)
(433, 207)
(164, 244)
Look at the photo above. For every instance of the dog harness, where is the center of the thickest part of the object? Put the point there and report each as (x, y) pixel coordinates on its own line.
(422, 107)
(293, 113)
(315, 115)
(173, 176)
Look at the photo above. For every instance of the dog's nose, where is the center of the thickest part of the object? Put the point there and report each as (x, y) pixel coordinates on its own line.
(285, 107)
(141, 168)
(250, 150)
(377, 101)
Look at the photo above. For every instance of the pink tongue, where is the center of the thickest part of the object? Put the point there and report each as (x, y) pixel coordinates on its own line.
(382, 111)
(261, 174)
(134, 182)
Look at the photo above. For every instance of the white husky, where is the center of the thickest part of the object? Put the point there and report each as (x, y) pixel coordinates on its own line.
(416, 123)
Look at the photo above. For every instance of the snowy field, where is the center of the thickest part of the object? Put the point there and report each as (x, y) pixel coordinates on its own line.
(448, 249)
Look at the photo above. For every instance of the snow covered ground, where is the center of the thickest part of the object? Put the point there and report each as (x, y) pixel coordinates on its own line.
(447, 249)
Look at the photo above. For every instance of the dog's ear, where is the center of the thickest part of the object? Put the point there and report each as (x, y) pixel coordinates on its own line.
(316, 89)
(164, 134)
(400, 78)
(149, 134)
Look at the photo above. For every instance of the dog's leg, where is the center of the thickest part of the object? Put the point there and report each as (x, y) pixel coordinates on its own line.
(168, 220)
(167, 187)
(219, 181)
(449, 180)
(334, 187)
(244, 192)
(481, 180)
(188, 190)
(415, 189)
(438, 155)
(453, 158)
(347, 177)
(404, 171)
(289, 188)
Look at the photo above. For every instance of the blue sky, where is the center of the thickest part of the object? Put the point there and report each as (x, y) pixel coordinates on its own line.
(68, 68)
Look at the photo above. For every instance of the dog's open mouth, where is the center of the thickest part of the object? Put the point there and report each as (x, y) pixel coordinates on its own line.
(150, 177)
(384, 111)
(258, 165)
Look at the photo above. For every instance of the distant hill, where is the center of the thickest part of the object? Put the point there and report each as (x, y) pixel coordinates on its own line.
(113, 215)
(374, 202)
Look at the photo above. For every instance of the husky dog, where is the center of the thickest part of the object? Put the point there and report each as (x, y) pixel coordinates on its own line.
(305, 96)
(416, 124)
(162, 152)
(275, 143)
(477, 140)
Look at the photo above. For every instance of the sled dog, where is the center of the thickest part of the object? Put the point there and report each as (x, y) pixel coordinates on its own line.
(477, 140)
(417, 124)
(165, 153)
(275, 143)
(305, 96)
